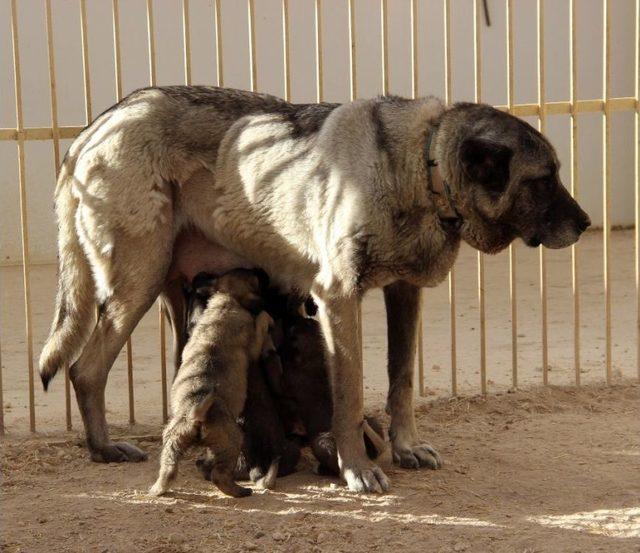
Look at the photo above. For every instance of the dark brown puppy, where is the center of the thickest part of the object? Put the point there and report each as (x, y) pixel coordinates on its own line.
(305, 392)
(266, 452)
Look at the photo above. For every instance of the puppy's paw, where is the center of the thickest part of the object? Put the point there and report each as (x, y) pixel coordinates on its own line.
(366, 479)
(413, 456)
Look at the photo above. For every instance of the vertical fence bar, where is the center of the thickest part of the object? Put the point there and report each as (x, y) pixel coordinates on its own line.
(151, 40)
(452, 273)
(285, 50)
(513, 299)
(186, 39)
(115, 10)
(319, 59)
(573, 90)
(56, 160)
(217, 16)
(542, 123)
(414, 48)
(636, 157)
(85, 62)
(115, 5)
(606, 184)
(477, 79)
(384, 41)
(24, 226)
(352, 96)
(252, 45)
(414, 95)
(52, 86)
(353, 90)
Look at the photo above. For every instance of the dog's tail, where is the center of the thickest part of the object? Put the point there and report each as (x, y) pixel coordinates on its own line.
(75, 301)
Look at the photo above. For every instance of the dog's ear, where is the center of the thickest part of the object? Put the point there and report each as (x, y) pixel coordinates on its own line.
(486, 162)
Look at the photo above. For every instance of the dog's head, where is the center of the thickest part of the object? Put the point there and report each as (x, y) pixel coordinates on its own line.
(504, 175)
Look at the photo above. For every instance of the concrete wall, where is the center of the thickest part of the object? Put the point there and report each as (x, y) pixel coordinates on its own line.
(168, 23)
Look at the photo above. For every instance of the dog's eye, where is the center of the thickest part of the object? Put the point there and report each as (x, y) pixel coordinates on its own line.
(541, 186)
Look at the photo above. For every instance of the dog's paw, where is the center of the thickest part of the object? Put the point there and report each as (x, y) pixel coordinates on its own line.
(417, 455)
(157, 489)
(367, 479)
(118, 452)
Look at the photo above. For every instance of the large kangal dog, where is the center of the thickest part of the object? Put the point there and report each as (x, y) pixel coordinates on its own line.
(328, 199)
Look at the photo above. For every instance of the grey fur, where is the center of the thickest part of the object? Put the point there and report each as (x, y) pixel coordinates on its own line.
(327, 199)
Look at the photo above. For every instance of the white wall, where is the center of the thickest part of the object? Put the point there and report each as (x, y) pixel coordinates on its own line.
(168, 23)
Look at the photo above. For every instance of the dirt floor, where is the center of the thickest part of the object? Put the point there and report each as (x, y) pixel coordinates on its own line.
(546, 470)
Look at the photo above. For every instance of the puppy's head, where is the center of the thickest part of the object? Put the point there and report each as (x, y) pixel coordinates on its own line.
(505, 180)
(245, 286)
(197, 295)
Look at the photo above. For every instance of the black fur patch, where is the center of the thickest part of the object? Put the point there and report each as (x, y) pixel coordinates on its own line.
(305, 119)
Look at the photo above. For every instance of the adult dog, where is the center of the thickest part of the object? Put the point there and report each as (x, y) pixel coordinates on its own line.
(331, 199)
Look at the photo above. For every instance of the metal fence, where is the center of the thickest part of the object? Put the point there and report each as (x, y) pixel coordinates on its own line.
(540, 109)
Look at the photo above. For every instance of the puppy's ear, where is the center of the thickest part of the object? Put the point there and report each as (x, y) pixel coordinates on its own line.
(204, 284)
(486, 162)
(263, 278)
(310, 307)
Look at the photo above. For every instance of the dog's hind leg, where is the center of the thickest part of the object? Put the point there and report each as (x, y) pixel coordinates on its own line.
(402, 301)
(223, 435)
(177, 437)
(134, 288)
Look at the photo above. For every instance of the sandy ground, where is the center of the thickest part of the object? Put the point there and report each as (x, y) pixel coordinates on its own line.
(148, 392)
(545, 470)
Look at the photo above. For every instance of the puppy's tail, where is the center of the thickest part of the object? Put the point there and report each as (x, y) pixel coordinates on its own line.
(75, 301)
(373, 437)
(199, 412)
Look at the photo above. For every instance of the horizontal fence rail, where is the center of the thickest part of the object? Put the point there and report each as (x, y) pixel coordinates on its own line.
(521, 110)
(541, 109)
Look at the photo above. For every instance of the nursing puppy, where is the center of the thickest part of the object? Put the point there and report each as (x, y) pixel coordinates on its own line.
(209, 392)
(266, 452)
(305, 393)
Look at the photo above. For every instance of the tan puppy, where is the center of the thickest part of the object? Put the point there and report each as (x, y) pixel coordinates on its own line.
(209, 392)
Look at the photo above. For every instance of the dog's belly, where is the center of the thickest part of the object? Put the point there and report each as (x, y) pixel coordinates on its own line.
(194, 253)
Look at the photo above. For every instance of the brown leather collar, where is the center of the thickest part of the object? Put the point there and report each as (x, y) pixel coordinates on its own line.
(440, 188)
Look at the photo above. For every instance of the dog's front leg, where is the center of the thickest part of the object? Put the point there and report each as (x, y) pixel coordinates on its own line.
(338, 317)
(402, 301)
